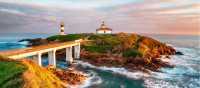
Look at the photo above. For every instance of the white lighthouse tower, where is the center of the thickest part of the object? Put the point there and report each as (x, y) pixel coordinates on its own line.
(62, 28)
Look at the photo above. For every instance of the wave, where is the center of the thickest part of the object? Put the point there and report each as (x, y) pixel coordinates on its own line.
(121, 71)
(21, 43)
(6, 42)
(185, 74)
(93, 79)
(152, 83)
(11, 45)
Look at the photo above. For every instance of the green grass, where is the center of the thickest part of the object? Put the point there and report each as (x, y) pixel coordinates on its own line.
(99, 49)
(10, 74)
(69, 37)
(132, 53)
(106, 39)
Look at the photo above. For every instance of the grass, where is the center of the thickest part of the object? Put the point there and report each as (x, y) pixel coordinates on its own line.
(33, 76)
(96, 48)
(10, 74)
(132, 53)
(69, 37)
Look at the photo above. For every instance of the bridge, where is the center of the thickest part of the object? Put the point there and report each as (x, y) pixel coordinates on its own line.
(37, 51)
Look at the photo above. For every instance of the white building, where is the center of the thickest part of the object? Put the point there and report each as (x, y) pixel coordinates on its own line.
(62, 28)
(104, 29)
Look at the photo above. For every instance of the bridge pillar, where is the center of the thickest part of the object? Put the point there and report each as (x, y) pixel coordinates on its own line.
(38, 59)
(69, 58)
(77, 50)
(52, 58)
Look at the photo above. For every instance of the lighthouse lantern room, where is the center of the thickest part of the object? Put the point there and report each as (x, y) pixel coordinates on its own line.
(62, 28)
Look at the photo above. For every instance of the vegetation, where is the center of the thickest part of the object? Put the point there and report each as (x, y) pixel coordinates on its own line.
(97, 49)
(129, 45)
(115, 44)
(39, 77)
(132, 53)
(26, 74)
(10, 74)
(68, 37)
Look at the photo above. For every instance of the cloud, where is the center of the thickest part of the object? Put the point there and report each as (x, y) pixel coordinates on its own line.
(141, 16)
(12, 11)
(75, 4)
(192, 9)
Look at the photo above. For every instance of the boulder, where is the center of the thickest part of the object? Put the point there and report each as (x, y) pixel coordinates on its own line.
(179, 53)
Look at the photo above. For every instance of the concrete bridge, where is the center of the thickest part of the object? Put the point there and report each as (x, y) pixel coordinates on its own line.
(37, 51)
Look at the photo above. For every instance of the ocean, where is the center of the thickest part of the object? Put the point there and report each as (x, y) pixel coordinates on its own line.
(185, 74)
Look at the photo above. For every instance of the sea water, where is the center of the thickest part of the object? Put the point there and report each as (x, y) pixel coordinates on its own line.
(186, 73)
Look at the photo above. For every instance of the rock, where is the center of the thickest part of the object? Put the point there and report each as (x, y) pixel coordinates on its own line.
(71, 76)
(179, 53)
(24, 40)
(35, 42)
(167, 56)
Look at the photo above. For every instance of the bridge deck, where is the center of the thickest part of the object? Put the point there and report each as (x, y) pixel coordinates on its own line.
(34, 49)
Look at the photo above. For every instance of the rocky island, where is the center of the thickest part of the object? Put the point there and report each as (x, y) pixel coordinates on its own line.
(130, 51)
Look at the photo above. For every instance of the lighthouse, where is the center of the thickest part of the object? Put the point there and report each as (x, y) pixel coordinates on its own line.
(104, 29)
(62, 28)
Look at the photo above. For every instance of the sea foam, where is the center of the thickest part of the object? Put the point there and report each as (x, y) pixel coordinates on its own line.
(93, 79)
(121, 71)
(185, 74)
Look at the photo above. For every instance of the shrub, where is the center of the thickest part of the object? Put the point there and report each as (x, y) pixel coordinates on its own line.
(132, 53)
(105, 39)
(69, 37)
(99, 49)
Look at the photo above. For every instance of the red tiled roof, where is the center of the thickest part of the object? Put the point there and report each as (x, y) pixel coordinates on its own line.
(107, 29)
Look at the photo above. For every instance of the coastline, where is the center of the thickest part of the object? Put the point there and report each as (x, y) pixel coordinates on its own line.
(138, 64)
(184, 63)
(149, 61)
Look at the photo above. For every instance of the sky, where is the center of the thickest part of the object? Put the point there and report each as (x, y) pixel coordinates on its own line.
(85, 16)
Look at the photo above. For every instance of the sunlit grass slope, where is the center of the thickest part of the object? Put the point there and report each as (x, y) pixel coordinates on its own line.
(26, 74)
(11, 74)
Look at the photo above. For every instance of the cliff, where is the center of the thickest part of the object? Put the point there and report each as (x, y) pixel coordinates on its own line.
(26, 74)
(38, 77)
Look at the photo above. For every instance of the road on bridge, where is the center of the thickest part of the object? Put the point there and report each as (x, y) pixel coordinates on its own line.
(34, 49)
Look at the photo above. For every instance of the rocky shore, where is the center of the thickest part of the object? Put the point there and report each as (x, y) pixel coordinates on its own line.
(131, 51)
(70, 76)
(131, 64)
